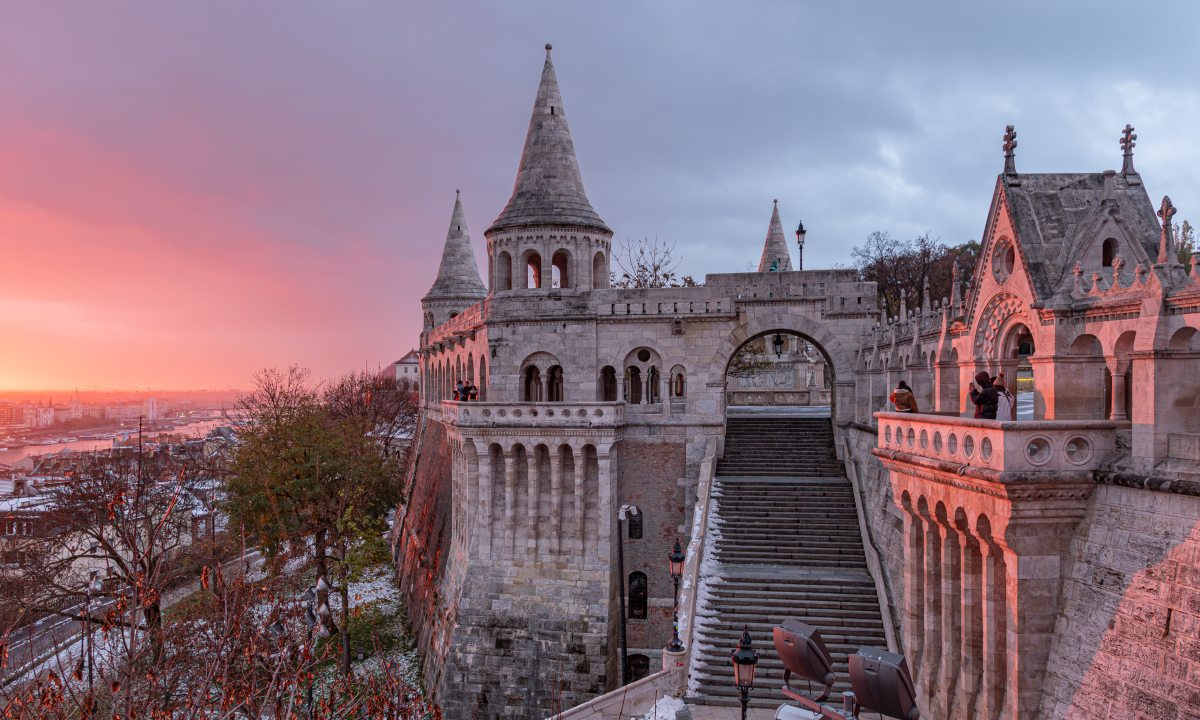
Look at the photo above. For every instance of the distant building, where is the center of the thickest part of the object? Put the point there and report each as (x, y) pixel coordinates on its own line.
(407, 368)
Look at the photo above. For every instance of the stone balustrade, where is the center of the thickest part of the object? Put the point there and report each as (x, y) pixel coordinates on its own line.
(1008, 449)
(989, 509)
(533, 414)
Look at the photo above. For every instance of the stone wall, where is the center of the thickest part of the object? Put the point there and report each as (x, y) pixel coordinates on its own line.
(1128, 638)
(420, 546)
(883, 526)
(652, 476)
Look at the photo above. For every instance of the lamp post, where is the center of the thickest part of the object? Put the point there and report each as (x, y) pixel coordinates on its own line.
(800, 242)
(621, 513)
(744, 658)
(94, 586)
(778, 343)
(676, 558)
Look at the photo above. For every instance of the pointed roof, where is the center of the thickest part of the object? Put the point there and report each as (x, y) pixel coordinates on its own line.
(549, 189)
(775, 249)
(458, 275)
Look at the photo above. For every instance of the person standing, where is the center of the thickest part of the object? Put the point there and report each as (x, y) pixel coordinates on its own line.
(984, 395)
(903, 399)
(1005, 403)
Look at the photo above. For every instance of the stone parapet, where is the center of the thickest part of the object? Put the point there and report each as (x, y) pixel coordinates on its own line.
(533, 414)
(997, 451)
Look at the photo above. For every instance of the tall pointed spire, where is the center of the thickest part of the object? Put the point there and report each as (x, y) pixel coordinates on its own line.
(458, 275)
(775, 255)
(549, 189)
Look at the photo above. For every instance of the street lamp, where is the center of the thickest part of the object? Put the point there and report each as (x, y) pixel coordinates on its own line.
(744, 658)
(800, 242)
(778, 343)
(94, 586)
(676, 558)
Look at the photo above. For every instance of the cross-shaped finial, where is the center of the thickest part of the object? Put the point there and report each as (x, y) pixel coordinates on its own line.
(1010, 146)
(1128, 140)
(1167, 210)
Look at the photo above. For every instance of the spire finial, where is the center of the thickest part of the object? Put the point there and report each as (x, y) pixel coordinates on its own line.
(1166, 245)
(549, 47)
(1010, 146)
(456, 193)
(1128, 140)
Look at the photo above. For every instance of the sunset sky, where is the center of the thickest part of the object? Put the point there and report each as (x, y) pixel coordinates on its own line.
(193, 191)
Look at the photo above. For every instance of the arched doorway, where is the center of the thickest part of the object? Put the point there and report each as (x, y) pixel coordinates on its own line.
(778, 368)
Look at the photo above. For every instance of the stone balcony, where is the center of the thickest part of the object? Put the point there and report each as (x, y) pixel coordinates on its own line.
(997, 451)
(534, 414)
(989, 510)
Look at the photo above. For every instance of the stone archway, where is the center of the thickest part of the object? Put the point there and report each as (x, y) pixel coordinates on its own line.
(838, 361)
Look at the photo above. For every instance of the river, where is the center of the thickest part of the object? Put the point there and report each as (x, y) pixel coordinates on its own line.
(199, 428)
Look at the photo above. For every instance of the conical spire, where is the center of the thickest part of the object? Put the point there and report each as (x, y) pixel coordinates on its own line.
(549, 188)
(458, 275)
(775, 256)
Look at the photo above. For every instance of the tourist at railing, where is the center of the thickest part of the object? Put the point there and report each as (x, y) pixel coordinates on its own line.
(1006, 404)
(903, 399)
(459, 390)
(472, 393)
(984, 396)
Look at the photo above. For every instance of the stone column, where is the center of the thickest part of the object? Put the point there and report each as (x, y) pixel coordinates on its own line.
(485, 502)
(971, 617)
(995, 665)
(533, 491)
(951, 666)
(914, 588)
(931, 654)
(605, 506)
(510, 496)
(1118, 397)
(556, 502)
(580, 497)
(547, 266)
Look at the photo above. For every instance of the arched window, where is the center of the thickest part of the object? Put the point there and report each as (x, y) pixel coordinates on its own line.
(639, 667)
(652, 390)
(633, 385)
(608, 383)
(532, 390)
(636, 526)
(637, 595)
(533, 270)
(678, 382)
(504, 271)
(1109, 251)
(554, 384)
(599, 272)
(561, 270)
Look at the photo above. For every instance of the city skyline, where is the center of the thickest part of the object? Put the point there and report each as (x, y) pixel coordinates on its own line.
(194, 193)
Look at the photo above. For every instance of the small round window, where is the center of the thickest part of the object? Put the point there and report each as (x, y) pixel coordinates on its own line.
(643, 355)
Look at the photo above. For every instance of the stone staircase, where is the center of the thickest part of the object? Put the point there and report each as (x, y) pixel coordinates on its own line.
(765, 446)
(783, 543)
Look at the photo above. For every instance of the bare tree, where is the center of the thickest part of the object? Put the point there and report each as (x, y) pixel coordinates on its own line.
(900, 268)
(648, 263)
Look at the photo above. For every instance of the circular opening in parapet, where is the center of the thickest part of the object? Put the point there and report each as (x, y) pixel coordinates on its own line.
(1038, 450)
(968, 446)
(517, 412)
(985, 449)
(598, 412)
(581, 413)
(924, 439)
(643, 355)
(887, 435)
(550, 413)
(912, 437)
(1078, 450)
(937, 441)
(952, 444)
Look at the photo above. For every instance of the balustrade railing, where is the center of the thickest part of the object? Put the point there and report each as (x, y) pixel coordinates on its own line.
(533, 414)
(1001, 446)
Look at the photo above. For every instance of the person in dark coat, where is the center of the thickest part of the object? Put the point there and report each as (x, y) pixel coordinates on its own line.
(903, 398)
(984, 396)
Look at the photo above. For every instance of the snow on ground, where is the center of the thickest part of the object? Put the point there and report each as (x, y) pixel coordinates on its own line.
(710, 570)
(665, 709)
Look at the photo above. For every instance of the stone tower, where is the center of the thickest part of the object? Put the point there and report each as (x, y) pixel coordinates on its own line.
(775, 255)
(548, 236)
(457, 286)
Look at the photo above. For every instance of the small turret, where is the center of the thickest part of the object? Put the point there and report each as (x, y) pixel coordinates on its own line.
(775, 255)
(458, 285)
